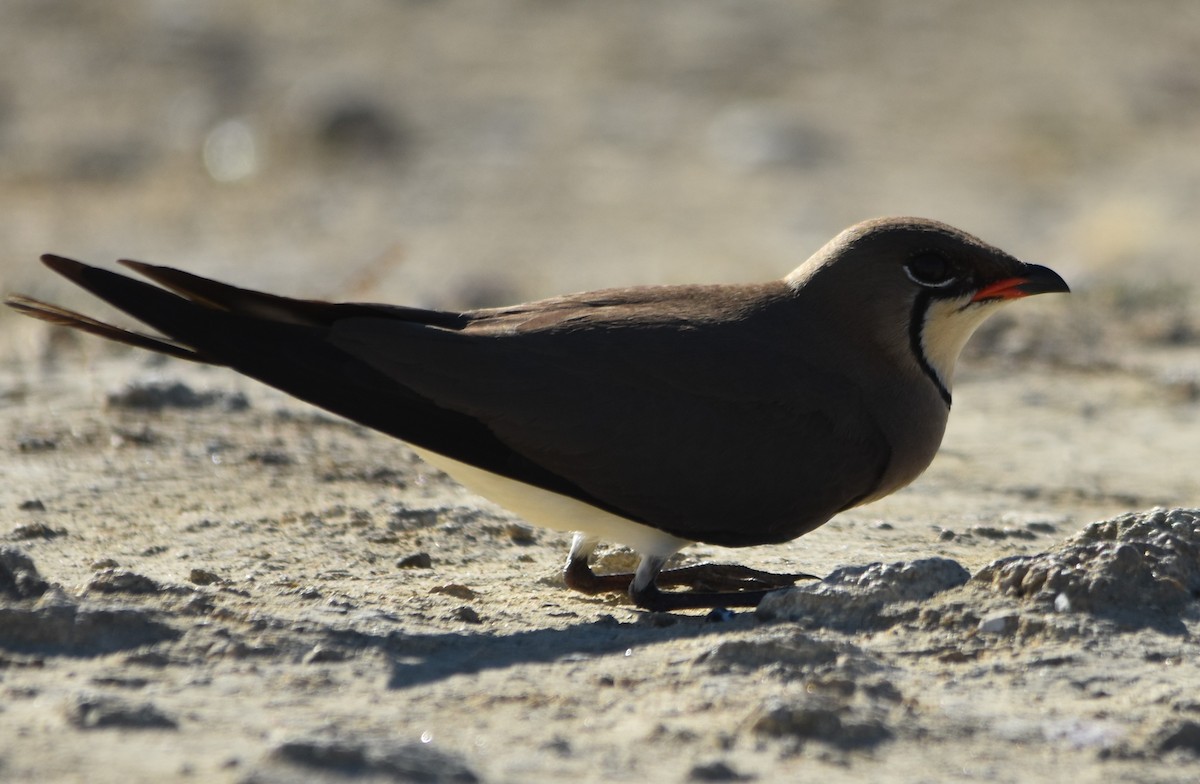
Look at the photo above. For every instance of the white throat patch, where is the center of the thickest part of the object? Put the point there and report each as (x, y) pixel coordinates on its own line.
(949, 324)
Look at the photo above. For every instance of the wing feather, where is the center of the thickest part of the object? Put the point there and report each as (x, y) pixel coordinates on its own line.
(646, 403)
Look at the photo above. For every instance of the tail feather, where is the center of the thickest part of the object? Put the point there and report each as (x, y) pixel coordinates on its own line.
(273, 340)
(309, 312)
(286, 343)
(181, 320)
(222, 296)
(69, 318)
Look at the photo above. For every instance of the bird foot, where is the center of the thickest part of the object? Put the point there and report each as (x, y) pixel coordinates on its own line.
(728, 577)
(711, 584)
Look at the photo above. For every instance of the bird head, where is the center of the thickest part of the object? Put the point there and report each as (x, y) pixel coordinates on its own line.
(917, 288)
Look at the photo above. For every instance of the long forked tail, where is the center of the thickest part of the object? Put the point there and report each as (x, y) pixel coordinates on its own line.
(277, 340)
(69, 318)
(280, 341)
(286, 343)
(199, 319)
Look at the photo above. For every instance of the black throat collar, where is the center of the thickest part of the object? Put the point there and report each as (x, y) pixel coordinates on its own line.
(916, 326)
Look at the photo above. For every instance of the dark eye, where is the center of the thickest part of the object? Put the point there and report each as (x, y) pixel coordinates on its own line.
(929, 269)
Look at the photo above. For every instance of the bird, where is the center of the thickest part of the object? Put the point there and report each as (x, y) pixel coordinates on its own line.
(654, 417)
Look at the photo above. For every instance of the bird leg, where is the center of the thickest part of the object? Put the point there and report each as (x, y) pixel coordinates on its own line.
(579, 576)
(645, 592)
(713, 585)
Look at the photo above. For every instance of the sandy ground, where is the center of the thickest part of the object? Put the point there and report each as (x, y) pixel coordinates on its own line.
(202, 579)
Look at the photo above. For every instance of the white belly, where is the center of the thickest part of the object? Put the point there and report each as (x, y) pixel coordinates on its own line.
(558, 512)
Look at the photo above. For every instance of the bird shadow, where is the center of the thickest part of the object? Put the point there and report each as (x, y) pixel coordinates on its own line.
(418, 659)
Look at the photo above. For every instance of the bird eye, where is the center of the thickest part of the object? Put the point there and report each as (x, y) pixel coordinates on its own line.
(929, 269)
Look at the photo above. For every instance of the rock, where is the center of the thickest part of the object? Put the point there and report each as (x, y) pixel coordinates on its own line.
(853, 597)
(96, 711)
(320, 760)
(999, 623)
(270, 457)
(467, 614)
(123, 581)
(1126, 566)
(793, 651)
(992, 532)
(720, 615)
(323, 654)
(715, 771)
(415, 561)
(456, 590)
(818, 719)
(36, 531)
(19, 578)
(657, 620)
(36, 444)
(405, 519)
(157, 395)
(203, 577)
(1185, 736)
(55, 623)
(361, 128)
(520, 534)
(142, 436)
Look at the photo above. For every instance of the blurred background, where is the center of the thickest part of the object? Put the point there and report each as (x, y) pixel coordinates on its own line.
(473, 152)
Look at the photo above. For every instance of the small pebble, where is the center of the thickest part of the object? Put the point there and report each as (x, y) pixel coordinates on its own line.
(270, 457)
(467, 613)
(415, 561)
(36, 444)
(658, 620)
(36, 531)
(720, 615)
(203, 577)
(456, 590)
(520, 534)
(998, 623)
(101, 710)
(715, 771)
(1042, 527)
(121, 581)
(1186, 736)
(321, 654)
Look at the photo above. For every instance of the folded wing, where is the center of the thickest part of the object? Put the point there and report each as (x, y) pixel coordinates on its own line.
(635, 401)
